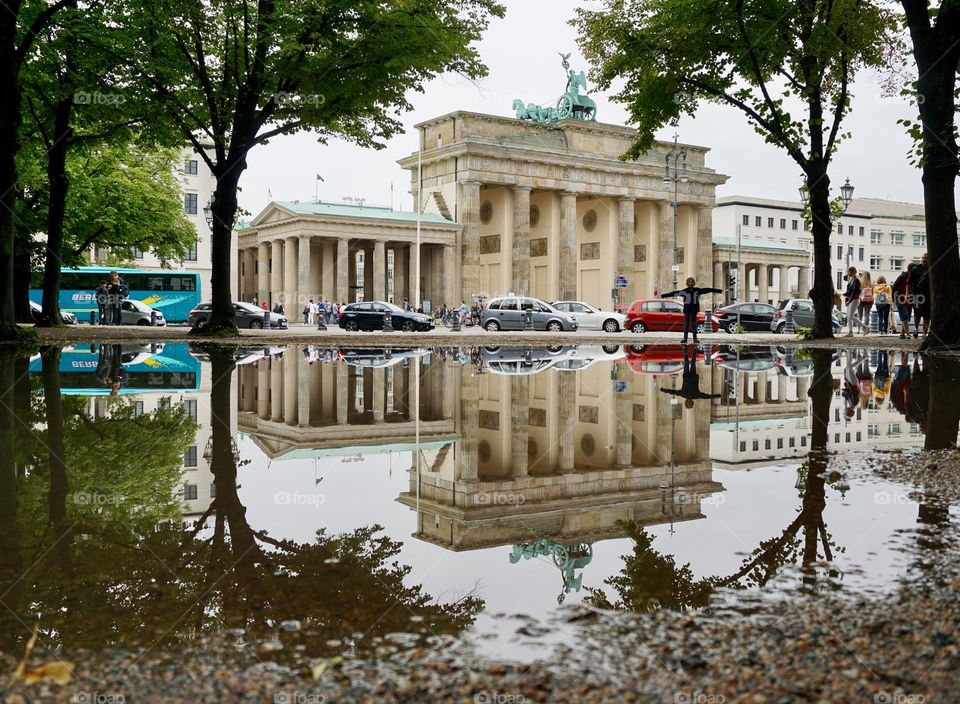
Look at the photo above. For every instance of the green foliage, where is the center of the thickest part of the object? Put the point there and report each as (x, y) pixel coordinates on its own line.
(803, 333)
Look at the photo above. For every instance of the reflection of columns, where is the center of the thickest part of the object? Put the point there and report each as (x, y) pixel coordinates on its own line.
(263, 388)
(784, 277)
(343, 389)
(519, 419)
(568, 246)
(379, 394)
(469, 424)
(762, 381)
(379, 271)
(665, 253)
(625, 265)
(276, 271)
(290, 409)
(470, 239)
(450, 275)
(803, 388)
(521, 240)
(781, 388)
(623, 408)
(343, 271)
(804, 282)
(263, 271)
(566, 402)
(664, 404)
(763, 283)
(276, 390)
(303, 389)
(304, 288)
(290, 276)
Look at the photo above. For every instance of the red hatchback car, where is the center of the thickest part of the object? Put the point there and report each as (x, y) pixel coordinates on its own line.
(661, 314)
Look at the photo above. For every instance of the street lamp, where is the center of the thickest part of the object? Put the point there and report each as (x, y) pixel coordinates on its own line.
(208, 212)
(675, 172)
(846, 192)
(208, 451)
(804, 194)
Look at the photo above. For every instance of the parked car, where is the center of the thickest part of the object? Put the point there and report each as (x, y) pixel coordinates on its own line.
(67, 318)
(659, 314)
(521, 361)
(751, 317)
(379, 358)
(245, 315)
(802, 309)
(137, 313)
(584, 356)
(508, 313)
(591, 318)
(369, 315)
(660, 359)
(745, 359)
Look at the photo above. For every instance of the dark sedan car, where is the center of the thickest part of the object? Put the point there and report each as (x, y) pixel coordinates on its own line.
(751, 316)
(245, 315)
(369, 315)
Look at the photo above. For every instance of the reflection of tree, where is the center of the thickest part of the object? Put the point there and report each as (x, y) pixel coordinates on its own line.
(943, 404)
(650, 580)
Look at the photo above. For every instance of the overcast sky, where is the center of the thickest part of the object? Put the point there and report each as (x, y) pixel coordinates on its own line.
(521, 53)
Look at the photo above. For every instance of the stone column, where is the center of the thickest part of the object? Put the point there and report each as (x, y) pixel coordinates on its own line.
(705, 244)
(379, 394)
(521, 240)
(263, 389)
(763, 283)
(249, 287)
(304, 289)
(568, 246)
(343, 272)
(450, 275)
(276, 271)
(784, 277)
(519, 420)
(290, 292)
(367, 272)
(276, 390)
(625, 241)
(469, 425)
(666, 253)
(623, 407)
(781, 389)
(719, 281)
(804, 282)
(289, 371)
(412, 275)
(566, 407)
(303, 390)
(263, 271)
(400, 275)
(379, 270)
(470, 239)
(343, 395)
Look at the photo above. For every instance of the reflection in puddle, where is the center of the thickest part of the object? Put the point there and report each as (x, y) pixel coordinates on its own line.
(320, 501)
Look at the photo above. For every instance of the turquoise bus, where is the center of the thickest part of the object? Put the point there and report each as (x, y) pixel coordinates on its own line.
(173, 293)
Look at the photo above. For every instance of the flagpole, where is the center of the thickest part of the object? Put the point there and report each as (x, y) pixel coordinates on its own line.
(416, 296)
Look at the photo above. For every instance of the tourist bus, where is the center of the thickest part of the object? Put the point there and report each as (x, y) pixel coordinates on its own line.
(92, 370)
(173, 293)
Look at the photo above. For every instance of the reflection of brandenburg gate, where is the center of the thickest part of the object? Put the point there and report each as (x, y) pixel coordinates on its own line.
(504, 458)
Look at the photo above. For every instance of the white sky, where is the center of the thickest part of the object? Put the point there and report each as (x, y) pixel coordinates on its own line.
(521, 54)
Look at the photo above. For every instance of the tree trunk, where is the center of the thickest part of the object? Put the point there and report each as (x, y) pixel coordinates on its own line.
(57, 186)
(22, 274)
(818, 188)
(9, 146)
(56, 454)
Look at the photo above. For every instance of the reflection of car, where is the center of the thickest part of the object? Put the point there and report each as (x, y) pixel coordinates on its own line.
(138, 313)
(244, 355)
(590, 318)
(521, 360)
(659, 314)
(369, 315)
(745, 359)
(802, 309)
(509, 313)
(376, 358)
(36, 310)
(751, 316)
(790, 364)
(583, 356)
(659, 359)
(245, 315)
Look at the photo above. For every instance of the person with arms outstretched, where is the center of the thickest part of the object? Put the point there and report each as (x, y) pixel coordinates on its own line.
(691, 305)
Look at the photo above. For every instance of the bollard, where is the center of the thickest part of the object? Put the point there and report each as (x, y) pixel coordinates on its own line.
(874, 320)
(528, 319)
(789, 328)
(93, 317)
(153, 317)
(388, 322)
(456, 321)
(266, 320)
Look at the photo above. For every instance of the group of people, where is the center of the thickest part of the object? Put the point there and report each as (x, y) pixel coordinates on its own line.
(909, 295)
(109, 296)
(317, 312)
(905, 387)
(444, 314)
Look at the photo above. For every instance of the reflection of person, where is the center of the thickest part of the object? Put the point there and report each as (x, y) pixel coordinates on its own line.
(691, 304)
(901, 384)
(690, 387)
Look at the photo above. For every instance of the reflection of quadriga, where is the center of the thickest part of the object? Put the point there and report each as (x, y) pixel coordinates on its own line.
(567, 558)
(570, 104)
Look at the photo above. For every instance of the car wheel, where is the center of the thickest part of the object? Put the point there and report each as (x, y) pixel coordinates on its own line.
(610, 349)
(256, 324)
(408, 326)
(701, 327)
(728, 328)
(638, 327)
(143, 322)
(554, 326)
(351, 326)
(611, 326)
(201, 324)
(780, 328)
(492, 326)
(636, 349)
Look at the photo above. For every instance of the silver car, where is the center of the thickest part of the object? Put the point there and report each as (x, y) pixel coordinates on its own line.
(509, 313)
(592, 318)
(136, 313)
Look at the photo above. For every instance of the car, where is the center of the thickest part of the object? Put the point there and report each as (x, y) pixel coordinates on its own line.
(521, 361)
(750, 316)
(583, 356)
(660, 359)
(659, 314)
(509, 313)
(802, 309)
(137, 313)
(591, 318)
(245, 315)
(370, 315)
(745, 359)
(36, 310)
(379, 358)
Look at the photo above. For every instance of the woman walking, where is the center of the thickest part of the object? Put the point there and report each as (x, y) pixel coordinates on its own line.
(866, 300)
(851, 298)
(901, 290)
(882, 298)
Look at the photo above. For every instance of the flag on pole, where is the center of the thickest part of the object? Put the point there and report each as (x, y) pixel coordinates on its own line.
(319, 177)
(269, 194)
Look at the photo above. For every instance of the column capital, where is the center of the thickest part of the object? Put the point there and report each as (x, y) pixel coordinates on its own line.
(567, 194)
(626, 199)
(521, 187)
(470, 182)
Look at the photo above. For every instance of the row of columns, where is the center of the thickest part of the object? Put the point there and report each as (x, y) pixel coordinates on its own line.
(764, 277)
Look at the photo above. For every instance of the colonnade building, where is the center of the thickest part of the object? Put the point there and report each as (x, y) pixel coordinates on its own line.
(509, 205)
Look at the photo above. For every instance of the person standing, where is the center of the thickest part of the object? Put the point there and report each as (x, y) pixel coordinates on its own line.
(102, 296)
(314, 312)
(851, 299)
(114, 297)
(920, 295)
(406, 305)
(691, 305)
(866, 300)
(901, 300)
(278, 308)
(882, 297)
(325, 307)
(263, 305)
(306, 312)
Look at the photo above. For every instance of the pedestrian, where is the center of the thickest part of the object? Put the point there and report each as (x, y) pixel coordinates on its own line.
(920, 295)
(866, 300)
(255, 302)
(901, 299)
(851, 299)
(114, 299)
(102, 296)
(306, 312)
(691, 305)
(882, 297)
(406, 305)
(325, 311)
(314, 312)
(278, 308)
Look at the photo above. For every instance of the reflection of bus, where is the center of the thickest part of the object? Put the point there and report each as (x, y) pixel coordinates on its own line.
(90, 370)
(173, 293)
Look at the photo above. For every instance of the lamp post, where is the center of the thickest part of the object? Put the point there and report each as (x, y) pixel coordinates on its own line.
(846, 197)
(675, 172)
(208, 212)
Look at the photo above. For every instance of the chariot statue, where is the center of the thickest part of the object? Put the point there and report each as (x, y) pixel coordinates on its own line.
(569, 105)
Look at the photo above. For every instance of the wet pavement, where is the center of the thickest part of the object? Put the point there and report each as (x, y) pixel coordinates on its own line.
(325, 508)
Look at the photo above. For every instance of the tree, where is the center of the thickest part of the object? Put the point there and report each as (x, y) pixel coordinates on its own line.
(236, 74)
(935, 33)
(786, 65)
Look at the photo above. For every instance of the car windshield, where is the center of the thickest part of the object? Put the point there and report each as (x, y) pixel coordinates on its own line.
(249, 307)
